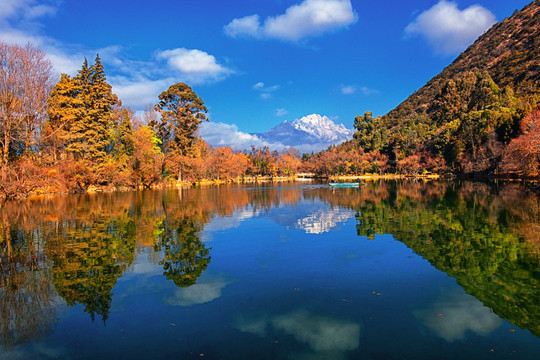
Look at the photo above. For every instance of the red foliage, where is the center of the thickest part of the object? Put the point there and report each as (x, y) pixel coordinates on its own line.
(522, 155)
(20, 178)
(410, 165)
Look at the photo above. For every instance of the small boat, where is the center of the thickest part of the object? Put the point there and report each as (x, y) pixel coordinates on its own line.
(344, 184)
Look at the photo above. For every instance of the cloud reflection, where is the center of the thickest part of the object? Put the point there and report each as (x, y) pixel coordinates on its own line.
(324, 335)
(450, 318)
(202, 292)
(319, 332)
(257, 326)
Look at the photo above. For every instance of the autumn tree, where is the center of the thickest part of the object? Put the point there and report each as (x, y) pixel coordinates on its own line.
(147, 157)
(523, 153)
(263, 161)
(83, 106)
(289, 161)
(181, 113)
(25, 82)
(64, 109)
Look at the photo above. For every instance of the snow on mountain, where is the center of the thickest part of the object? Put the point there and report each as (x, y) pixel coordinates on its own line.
(310, 133)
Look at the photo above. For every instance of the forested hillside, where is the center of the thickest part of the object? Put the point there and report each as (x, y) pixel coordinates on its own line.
(480, 115)
(473, 117)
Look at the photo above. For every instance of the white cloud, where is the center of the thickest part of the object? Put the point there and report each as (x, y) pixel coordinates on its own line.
(348, 89)
(257, 325)
(220, 134)
(326, 337)
(352, 89)
(265, 91)
(137, 93)
(281, 112)
(368, 91)
(309, 18)
(450, 30)
(137, 83)
(24, 9)
(319, 332)
(193, 63)
(248, 25)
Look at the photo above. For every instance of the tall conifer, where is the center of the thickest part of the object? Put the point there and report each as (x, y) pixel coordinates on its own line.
(87, 114)
(64, 112)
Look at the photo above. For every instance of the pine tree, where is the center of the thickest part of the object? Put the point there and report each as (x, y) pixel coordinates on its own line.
(101, 99)
(123, 138)
(65, 107)
(83, 105)
(77, 145)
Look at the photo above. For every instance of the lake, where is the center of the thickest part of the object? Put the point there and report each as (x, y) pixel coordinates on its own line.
(392, 270)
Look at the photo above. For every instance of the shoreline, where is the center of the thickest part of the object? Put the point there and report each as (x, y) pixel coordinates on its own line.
(277, 179)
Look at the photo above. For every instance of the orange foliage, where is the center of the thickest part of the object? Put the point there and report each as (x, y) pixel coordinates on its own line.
(523, 153)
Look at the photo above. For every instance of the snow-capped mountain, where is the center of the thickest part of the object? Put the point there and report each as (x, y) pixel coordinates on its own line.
(310, 133)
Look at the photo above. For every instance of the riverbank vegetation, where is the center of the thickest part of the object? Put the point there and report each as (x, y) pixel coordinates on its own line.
(480, 116)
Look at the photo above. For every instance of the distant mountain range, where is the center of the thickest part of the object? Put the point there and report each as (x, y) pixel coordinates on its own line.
(310, 133)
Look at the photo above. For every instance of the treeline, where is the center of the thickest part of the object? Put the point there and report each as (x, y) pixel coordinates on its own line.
(471, 126)
(75, 134)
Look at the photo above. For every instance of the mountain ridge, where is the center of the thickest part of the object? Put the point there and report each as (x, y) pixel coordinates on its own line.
(312, 132)
(494, 51)
(465, 119)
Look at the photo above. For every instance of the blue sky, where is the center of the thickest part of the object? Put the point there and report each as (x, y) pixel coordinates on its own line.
(256, 63)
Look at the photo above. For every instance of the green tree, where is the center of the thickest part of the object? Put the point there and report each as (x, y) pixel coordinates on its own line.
(90, 132)
(123, 137)
(88, 256)
(64, 110)
(185, 256)
(181, 113)
(371, 134)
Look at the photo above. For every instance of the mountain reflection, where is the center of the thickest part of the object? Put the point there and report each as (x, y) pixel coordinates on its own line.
(73, 249)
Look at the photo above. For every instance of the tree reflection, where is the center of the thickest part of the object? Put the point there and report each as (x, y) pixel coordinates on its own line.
(185, 257)
(479, 234)
(27, 297)
(88, 258)
(77, 247)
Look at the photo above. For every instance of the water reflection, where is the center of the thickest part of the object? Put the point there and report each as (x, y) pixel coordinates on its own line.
(28, 300)
(452, 315)
(202, 292)
(75, 250)
(326, 337)
(484, 236)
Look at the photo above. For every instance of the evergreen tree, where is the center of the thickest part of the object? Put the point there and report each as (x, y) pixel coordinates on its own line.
(83, 105)
(64, 111)
(181, 113)
(101, 101)
(123, 138)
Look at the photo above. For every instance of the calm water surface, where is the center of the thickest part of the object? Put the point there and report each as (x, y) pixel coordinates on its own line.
(394, 270)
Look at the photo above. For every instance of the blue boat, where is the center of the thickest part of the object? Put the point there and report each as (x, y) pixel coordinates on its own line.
(344, 185)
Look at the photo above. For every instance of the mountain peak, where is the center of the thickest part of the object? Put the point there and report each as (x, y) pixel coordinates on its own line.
(322, 128)
(309, 133)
